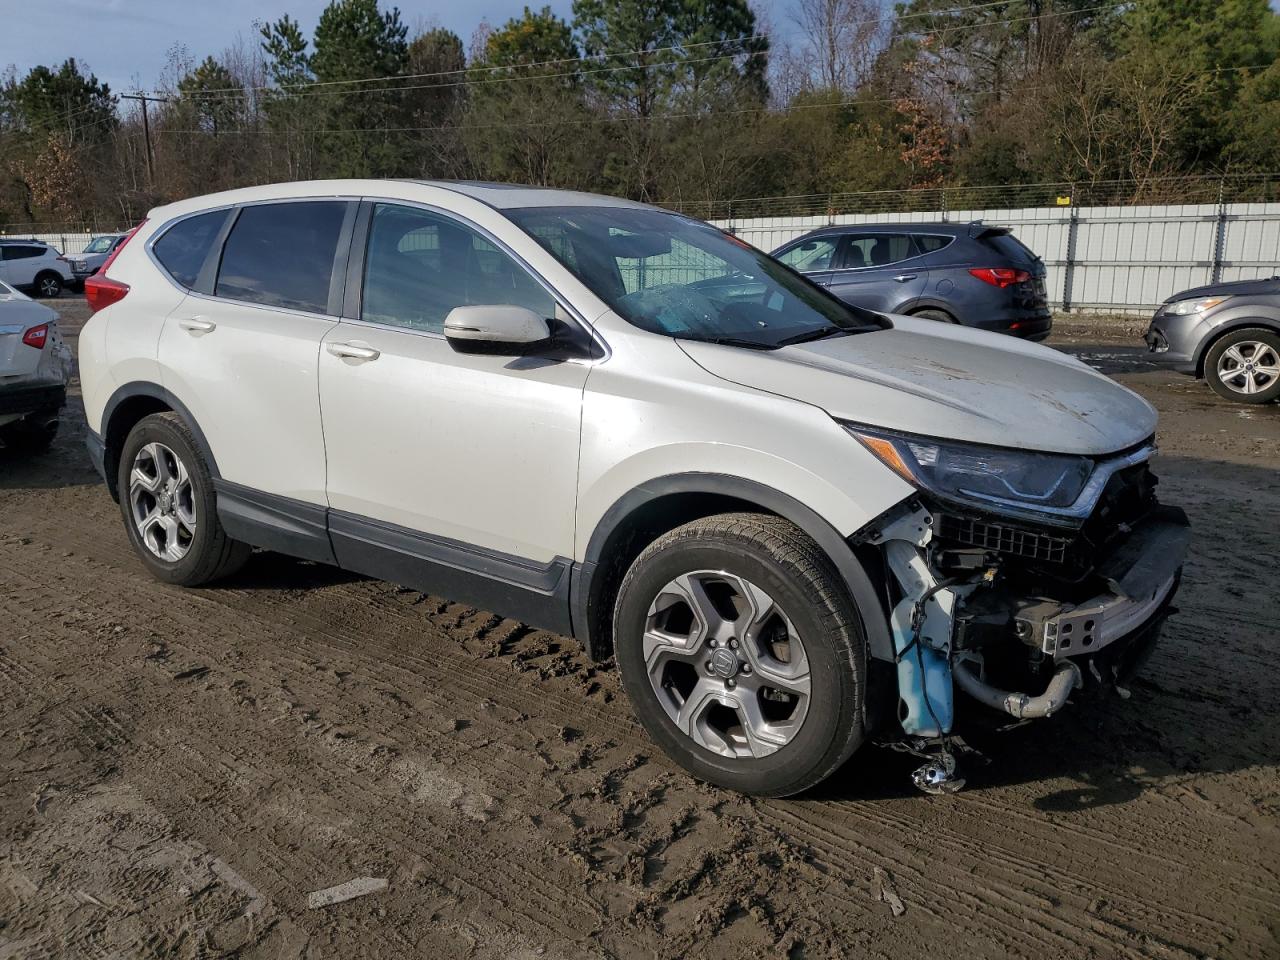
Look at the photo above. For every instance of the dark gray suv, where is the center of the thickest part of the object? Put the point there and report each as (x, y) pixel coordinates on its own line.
(970, 274)
(1228, 333)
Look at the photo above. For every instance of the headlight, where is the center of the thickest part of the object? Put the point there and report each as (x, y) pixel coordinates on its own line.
(1043, 486)
(1181, 308)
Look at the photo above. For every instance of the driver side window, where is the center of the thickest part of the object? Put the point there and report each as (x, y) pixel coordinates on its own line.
(811, 255)
(420, 265)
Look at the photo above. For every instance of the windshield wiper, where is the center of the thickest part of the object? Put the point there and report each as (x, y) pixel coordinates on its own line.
(736, 342)
(831, 330)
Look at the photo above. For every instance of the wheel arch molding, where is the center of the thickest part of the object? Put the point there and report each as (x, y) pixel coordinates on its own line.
(129, 404)
(1242, 322)
(661, 504)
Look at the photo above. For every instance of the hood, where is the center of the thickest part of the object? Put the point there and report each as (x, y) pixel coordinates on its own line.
(1237, 288)
(947, 382)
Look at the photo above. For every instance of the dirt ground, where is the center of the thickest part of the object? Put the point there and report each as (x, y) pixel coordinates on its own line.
(182, 767)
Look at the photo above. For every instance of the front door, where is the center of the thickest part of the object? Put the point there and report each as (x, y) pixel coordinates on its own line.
(440, 461)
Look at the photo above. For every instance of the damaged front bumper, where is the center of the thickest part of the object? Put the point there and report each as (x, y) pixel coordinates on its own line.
(1019, 619)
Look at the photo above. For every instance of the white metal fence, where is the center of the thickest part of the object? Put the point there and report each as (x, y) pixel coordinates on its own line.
(1099, 258)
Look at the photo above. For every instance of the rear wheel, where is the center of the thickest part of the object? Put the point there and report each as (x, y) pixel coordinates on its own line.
(48, 284)
(1245, 366)
(169, 505)
(742, 653)
(931, 314)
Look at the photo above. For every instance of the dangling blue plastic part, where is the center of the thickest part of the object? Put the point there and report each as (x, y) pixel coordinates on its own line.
(912, 683)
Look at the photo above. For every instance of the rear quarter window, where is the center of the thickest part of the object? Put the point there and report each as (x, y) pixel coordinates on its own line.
(932, 243)
(182, 248)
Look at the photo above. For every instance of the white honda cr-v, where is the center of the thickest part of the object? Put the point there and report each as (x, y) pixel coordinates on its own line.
(796, 524)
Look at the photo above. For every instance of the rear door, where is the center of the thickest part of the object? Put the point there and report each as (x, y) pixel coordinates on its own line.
(880, 271)
(241, 350)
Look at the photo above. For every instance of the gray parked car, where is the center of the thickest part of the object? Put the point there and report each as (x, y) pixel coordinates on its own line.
(1227, 333)
(970, 274)
(90, 260)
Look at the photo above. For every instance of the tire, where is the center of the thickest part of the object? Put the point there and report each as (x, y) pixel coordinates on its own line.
(48, 285)
(185, 543)
(931, 314)
(33, 434)
(1238, 350)
(805, 737)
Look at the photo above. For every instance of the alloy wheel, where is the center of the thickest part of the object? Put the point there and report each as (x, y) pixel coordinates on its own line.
(1248, 367)
(49, 287)
(726, 663)
(162, 502)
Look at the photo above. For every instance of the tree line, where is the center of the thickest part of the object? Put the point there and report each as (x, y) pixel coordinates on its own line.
(668, 101)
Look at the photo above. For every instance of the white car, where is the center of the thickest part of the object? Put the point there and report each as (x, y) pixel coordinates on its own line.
(35, 365)
(35, 266)
(798, 525)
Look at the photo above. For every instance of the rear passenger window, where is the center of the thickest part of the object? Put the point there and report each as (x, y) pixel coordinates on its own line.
(420, 265)
(281, 254)
(183, 247)
(877, 249)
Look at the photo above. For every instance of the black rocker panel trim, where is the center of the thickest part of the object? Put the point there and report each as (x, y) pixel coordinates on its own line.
(272, 522)
(510, 586)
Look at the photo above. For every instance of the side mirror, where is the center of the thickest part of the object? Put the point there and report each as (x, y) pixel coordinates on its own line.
(496, 329)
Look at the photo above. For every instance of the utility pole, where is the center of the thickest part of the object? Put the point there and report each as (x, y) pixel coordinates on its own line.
(146, 126)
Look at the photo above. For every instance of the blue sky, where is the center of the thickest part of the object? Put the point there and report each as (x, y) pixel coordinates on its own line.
(127, 42)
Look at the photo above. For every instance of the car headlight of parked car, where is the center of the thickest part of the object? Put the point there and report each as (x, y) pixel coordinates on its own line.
(1182, 308)
(1037, 486)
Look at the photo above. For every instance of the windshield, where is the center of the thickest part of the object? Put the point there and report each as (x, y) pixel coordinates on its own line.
(679, 277)
(99, 245)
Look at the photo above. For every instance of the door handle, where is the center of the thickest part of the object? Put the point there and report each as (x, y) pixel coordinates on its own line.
(196, 325)
(352, 351)
(904, 277)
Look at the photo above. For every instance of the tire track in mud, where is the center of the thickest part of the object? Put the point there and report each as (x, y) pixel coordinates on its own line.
(336, 616)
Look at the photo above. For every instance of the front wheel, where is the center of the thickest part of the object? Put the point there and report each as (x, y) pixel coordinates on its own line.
(1245, 366)
(742, 653)
(169, 505)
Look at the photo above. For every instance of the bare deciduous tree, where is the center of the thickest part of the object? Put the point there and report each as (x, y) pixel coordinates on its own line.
(841, 40)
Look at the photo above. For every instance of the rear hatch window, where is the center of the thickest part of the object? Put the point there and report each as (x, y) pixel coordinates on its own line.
(1007, 245)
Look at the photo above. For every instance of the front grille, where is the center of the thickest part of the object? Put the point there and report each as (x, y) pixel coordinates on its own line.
(1127, 498)
(1002, 538)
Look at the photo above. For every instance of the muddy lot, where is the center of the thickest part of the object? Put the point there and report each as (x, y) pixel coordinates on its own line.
(182, 767)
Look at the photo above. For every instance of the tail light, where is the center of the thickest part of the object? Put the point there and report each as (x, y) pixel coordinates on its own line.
(1000, 276)
(100, 290)
(36, 336)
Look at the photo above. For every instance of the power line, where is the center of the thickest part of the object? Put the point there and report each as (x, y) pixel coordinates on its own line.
(676, 48)
(584, 121)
